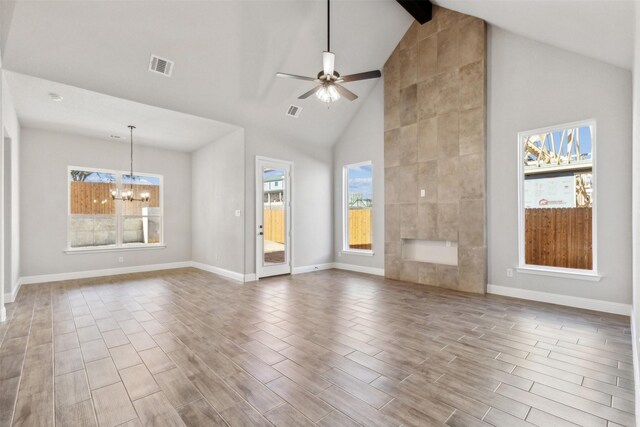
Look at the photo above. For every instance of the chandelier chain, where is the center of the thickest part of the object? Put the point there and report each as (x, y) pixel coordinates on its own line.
(131, 128)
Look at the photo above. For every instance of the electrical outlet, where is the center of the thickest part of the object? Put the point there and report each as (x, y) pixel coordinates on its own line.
(509, 272)
(121, 259)
(237, 212)
(423, 193)
(339, 253)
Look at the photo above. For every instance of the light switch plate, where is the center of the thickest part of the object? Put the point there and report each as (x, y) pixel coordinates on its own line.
(423, 193)
(237, 212)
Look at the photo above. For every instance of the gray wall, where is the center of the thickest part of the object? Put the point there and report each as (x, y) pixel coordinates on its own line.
(312, 196)
(533, 85)
(10, 131)
(362, 140)
(45, 157)
(217, 192)
(636, 202)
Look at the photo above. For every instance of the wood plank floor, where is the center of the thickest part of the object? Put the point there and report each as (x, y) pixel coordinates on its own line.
(331, 348)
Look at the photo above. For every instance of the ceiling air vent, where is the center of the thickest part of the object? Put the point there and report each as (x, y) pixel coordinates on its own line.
(294, 111)
(161, 66)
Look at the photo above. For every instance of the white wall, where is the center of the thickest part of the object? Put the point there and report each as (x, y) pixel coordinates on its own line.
(362, 140)
(10, 131)
(45, 157)
(533, 85)
(636, 204)
(217, 190)
(312, 196)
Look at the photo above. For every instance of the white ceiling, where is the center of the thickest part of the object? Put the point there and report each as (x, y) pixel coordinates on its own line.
(99, 116)
(226, 54)
(600, 29)
(228, 51)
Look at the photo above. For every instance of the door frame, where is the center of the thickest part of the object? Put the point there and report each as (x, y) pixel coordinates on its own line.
(259, 246)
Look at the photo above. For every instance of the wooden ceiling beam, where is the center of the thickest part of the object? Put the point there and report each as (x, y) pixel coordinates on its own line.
(419, 9)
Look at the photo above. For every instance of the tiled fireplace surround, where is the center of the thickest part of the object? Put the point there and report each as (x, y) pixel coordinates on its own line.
(435, 140)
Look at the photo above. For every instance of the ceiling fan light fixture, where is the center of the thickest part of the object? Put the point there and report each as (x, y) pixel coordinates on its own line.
(328, 93)
(328, 89)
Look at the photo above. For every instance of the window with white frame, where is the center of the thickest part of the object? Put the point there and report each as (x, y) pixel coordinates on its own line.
(557, 197)
(357, 207)
(97, 220)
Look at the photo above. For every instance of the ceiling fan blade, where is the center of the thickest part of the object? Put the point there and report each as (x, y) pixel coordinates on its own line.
(328, 63)
(293, 76)
(311, 92)
(360, 76)
(346, 93)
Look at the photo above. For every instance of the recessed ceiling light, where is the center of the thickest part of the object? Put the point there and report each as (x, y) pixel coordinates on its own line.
(55, 97)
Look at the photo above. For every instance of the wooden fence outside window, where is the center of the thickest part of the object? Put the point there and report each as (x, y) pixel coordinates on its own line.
(359, 227)
(559, 237)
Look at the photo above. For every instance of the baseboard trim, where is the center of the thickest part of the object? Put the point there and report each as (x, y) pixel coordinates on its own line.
(3, 314)
(311, 268)
(359, 268)
(11, 296)
(571, 301)
(219, 271)
(44, 278)
(636, 367)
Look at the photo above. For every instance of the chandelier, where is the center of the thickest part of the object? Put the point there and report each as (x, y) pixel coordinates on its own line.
(127, 195)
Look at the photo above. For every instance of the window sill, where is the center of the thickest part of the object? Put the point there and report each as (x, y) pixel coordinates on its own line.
(357, 252)
(77, 251)
(566, 273)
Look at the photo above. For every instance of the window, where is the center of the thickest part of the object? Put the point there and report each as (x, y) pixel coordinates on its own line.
(557, 198)
(357, 208)
(98, 221)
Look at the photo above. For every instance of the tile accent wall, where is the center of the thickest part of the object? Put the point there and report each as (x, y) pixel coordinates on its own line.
(435, 139)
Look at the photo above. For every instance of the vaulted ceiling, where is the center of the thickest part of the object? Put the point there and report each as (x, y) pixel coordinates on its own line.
(226, 53)
(600, 29)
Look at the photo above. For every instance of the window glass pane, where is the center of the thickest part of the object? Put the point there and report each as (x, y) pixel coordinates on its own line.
(141, 229)
(558, 197)
(359, 203)
(87, 231)
(94, 213)
(142, 186)
(274, 216)
(90, 193)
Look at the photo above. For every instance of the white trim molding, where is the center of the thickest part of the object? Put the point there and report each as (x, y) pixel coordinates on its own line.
(219, 271)
(10, 297)
(636, 367)
(565, 273)
(44, 278)
(359, 268)
(568, 300)
(312, 268)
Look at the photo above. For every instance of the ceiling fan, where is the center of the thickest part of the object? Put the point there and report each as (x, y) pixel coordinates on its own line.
(328, 79)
